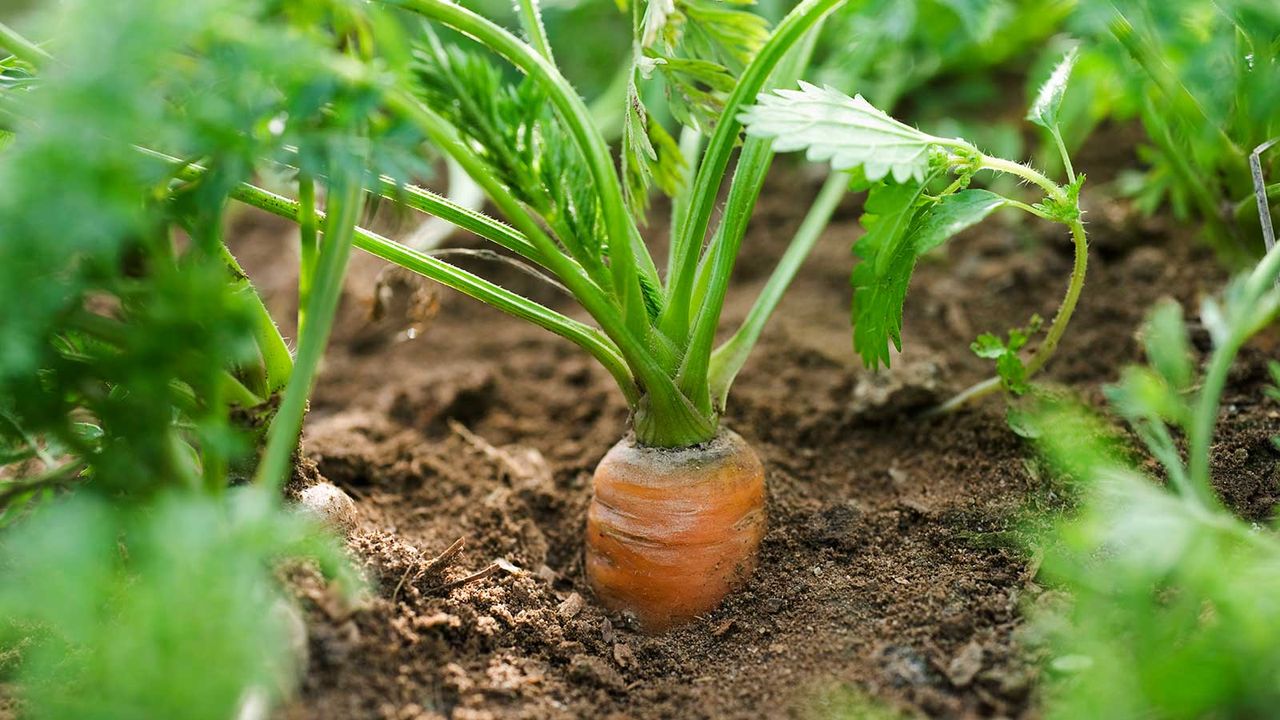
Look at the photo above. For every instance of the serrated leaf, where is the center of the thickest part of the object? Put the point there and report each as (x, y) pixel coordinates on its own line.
(988, 346)
(848, 132)
(880, 280)
(953, 214)
(1044, 111)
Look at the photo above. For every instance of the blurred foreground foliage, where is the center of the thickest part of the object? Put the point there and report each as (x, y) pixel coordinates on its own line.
(1170, 599)
(136, 364)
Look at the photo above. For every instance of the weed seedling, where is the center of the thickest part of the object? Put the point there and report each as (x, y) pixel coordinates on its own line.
(919, 198)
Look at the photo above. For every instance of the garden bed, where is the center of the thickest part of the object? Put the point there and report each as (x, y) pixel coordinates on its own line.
(890, 564)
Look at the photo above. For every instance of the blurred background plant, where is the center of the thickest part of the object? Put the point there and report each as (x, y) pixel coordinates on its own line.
(1203, 79)
(1169, 599)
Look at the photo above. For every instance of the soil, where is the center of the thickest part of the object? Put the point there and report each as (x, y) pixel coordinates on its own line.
(887, 566)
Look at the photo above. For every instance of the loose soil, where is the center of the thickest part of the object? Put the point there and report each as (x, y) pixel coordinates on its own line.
(888, 565)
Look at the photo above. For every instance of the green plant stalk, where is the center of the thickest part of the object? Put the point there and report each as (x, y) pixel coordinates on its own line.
(669, 420)
(531, 20)
(22, 48)
(577, 118)
(688, 234)
(728, 359)
(709, 291)
(1205, 414)
(464, 218)
(1075, 286)
(277, 362)
(1068, 307)
(309, 245)
(345, 199)
(588, 338)
(753, 165)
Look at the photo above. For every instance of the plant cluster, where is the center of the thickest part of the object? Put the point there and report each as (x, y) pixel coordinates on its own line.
(138, 367)
(1203, 78)
(1171, 597)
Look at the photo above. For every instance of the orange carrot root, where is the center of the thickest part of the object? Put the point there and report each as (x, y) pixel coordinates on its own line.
(670, 533)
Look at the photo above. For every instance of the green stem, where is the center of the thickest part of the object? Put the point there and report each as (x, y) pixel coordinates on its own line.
(1062, 150)
(729, 358)
(620, 228)
(531, 20)
(309, 245)
(1068, 306)
(586, 337)
(1205, 414)
(1023, 171)
(753, 165)
(1056, 330)
(22, 48)
(722, 253)
(345, 201)
(688, 234)
(277, 362)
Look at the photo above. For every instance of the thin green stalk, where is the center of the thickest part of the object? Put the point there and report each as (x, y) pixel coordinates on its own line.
(531, 20)
(345, 202)
(1056, 330)
(309, 245)
(584, 336)
(1068, 306)
(577, 118)
(722, 253)
(1205, 414)
(688, 234)
(22, 48)
(1062, 150)
(277, 362)
(690, 150)
(472, 221)
(753, 165)
(729, 358)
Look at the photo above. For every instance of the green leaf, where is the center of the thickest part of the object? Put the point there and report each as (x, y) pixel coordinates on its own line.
(953, 214)
(1044, 111)
(880, 280)
(846, 131)
(649, 156)
(988, 347)
(1009, 365)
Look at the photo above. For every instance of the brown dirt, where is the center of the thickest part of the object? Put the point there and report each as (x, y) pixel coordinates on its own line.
(886, 565)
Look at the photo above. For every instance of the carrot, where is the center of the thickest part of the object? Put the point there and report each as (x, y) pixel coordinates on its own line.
(670, 532)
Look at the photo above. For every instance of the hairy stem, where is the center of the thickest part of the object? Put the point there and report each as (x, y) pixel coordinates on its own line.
(1056, 330)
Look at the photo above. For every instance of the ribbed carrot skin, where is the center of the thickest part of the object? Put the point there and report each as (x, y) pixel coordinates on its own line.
(670, 533)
